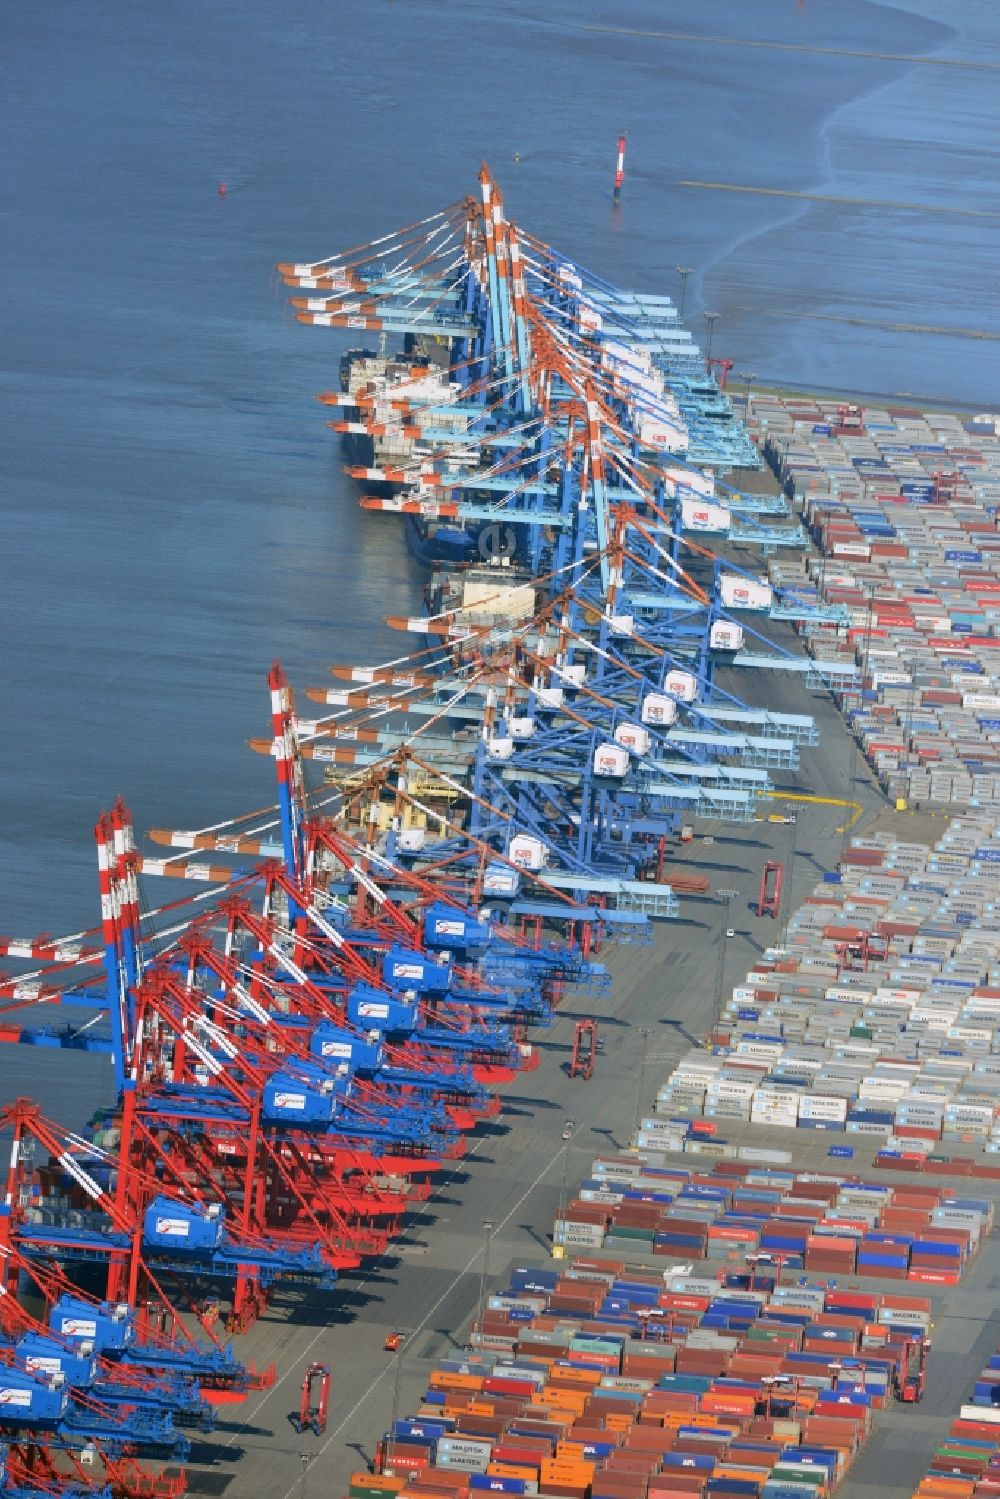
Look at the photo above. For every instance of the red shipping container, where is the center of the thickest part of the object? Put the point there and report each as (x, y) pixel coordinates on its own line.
(522, 1450)
(408, 1459)
(645, 1438)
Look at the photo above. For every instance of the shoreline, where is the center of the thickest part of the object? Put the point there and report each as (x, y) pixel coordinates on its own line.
(736, 392)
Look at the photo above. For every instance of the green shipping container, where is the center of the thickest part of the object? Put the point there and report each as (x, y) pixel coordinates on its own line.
(643, 1235)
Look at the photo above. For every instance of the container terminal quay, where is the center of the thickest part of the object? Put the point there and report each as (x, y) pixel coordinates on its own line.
(583, 1080)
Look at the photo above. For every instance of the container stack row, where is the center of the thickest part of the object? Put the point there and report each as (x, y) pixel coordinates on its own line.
(828, 449)
(735, 1211)
(880, 1013)
(601, 1381)
(922, 621)
(967, 1461)
(903, 510)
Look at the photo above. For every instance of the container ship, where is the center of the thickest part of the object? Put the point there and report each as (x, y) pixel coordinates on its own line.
(304, 1041)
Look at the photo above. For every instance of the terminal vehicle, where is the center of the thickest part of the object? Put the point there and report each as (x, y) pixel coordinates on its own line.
(911, 1373)
(392, 1342)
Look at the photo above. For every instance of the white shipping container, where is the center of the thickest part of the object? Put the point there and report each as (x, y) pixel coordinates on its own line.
(822, 1106)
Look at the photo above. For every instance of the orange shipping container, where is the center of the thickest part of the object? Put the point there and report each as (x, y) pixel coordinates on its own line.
(748, 1475)
(441, 1379)
(575, 1474)
(570, 1452)
(727, 1403)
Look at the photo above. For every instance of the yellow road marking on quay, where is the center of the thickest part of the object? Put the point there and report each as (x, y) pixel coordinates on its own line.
(739, 41)
(786, 192)
(820, 801)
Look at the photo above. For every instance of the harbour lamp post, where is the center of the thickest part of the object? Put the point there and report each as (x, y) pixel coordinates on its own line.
(684, 271)
(397, 1379)
(489, 1228)
(644, 1034)
(711, 319)
(725, 899)
(855, 734)
(565, 1165)
(787, 894)
(748, 378)
(824, 516)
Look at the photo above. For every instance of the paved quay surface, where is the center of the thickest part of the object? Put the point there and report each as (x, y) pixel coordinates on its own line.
(429, 1282)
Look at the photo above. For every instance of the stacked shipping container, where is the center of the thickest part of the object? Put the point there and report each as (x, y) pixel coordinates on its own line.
(880, 1014)
(821, 1223)
(603, 1381)
(967, 1462)
(903, 508)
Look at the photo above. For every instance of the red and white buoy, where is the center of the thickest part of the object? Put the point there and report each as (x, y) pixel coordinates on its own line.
(619, 170)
